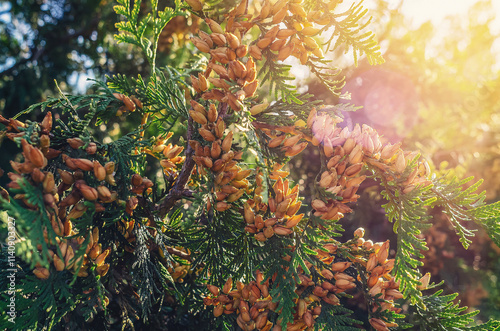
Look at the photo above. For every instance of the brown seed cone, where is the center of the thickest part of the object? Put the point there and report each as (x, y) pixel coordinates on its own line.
(52, 153)
(68, 257)
(213, 95)
(102, 270)
(285, 33)
(83, 164)
(265, 11)
(227, 286)
(220, 127)
(212, 113)
(58, 263)
(136, 180)
(206, 134)
(331, 299)
(110, 167)
(89, 193)
(198, 117)
(308, 319)
(41, 273)
(37, 158)
(372, 262)
(235, 196)
(242, 51)
(275, 142)
(216, 150)
(353, 170)
(219, 83)
(213, 289)
(206, 38)
(220, 70)
(104, 193)
(222, 206)
(227, 142)
(262, 44)
(206, 162)
(243, 174)
(100, 259)
(219, 39)
(198, 107)
(250, 88)
(44, 143)
(281, 230)
(228, 156)
(373, 280)
(389, 151)
(91, 148)
(218, 310)
(320, 292)
(340, 266)
(268, 232)
(255, 52)
(277, 6)
(232, 40)
(170, 154)
(295, 150)
(279, 16)
(293, 221)
(231, 54)
(200, 44)
(378, 324)
(95, 251)
(383, 252)
(99, 171)
(233, 102)
(400, 164)
(46, 123)
(293, 140)
(214, 26)
(261, 321)
(217, 166)
(251, 228)
(75, 143)
(277, 45)
(48, 183)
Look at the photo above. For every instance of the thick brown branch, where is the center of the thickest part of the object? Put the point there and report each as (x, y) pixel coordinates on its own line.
(179, 191)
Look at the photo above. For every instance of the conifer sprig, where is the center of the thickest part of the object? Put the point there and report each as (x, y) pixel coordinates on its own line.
(220, 238)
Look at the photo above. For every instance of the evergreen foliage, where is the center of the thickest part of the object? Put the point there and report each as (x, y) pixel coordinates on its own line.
(223, 239)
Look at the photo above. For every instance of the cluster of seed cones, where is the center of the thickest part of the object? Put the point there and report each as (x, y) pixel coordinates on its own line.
(167, 154)
(218, 156)
(347, 153)
(256, 310)
(283, 208)
(288, 30)
(60, 212)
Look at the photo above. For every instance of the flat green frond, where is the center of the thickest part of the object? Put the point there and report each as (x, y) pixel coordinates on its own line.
(459, 203)
(278, 75)
(333, 318)
(348, 31)
(144, 32)
(330, 76)
(409, 216)
(442, 313)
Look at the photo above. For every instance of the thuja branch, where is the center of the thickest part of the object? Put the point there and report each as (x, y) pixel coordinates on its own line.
(179, 191)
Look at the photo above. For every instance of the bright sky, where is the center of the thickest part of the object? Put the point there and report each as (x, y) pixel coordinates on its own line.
(421, 11)
(435, 10)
